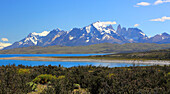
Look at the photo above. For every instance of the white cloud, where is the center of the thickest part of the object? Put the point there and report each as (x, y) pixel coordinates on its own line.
(108, 23)
(164, 18)
(4, 39)
(155, 3)
(2, 45)
(142, 4)
(158, 2)
(161, 1)
(136, 25)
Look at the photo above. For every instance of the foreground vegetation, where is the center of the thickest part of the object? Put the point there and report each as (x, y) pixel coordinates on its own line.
(96, 48)
(84, 80)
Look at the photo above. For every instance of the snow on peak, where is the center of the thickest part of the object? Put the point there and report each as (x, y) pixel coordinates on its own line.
(32, 39)
(142, 33)
(87, 40)
(88, 29)
(106, 37)
(103, 27)
(44, 33)
(163, 38)
(71, 38)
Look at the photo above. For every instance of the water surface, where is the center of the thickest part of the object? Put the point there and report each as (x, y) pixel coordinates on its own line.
(46, 55)
(56, 63)
(64, 64)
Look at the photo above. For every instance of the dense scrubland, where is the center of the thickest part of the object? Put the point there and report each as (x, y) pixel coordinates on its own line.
(84, 80)
(96, 48)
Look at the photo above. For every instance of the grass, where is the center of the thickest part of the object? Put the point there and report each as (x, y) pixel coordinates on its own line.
(96, 48)
(148, 55)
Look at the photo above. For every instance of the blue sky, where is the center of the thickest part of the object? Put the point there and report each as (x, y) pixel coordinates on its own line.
(18, 18)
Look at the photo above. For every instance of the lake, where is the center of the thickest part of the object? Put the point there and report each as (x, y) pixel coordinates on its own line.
(46, 55)
(56, 63)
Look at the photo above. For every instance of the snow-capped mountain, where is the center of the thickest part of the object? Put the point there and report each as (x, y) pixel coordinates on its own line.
(31, 40)
(98, 32)
(159, 38)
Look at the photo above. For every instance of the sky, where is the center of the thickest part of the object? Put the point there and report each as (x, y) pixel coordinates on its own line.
(18, 18)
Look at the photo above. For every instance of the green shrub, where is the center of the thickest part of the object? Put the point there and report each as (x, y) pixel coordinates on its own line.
(44, 78)
(23, 71)
(110, 75)
(76, 86)
(33, 85)
(61, 77)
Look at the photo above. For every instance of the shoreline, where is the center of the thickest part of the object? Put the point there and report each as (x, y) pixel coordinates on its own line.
(146, 62)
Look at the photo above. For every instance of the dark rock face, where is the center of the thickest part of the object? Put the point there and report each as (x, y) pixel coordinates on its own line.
(94, 33)
(134, 35)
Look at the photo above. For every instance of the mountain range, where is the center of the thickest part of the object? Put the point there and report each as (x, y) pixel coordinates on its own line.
(95, 33)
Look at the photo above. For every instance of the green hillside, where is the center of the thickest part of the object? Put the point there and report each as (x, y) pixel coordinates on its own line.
(163, 54)
(155, 54)
(147, 55)
(96, 48)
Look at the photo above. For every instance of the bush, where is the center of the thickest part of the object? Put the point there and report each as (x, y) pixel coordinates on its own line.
(76, 86)
(23, 71)
(61, 77)
(44, 78)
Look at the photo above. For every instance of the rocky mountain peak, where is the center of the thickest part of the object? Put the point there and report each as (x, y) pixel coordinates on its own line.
(109, 27)
(97, 32)
(165, 34)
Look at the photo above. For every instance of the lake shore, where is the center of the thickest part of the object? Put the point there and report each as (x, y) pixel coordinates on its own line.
(147, 62)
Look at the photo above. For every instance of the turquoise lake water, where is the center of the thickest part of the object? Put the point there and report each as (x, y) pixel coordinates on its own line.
(56, 63)
(45, 55)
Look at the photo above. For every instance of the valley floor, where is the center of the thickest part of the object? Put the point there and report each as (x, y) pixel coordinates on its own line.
(86, 59)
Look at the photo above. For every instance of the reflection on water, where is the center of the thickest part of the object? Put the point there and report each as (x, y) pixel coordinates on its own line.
(64, 64)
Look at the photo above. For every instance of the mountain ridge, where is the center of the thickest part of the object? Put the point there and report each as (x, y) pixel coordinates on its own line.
(95, 33)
